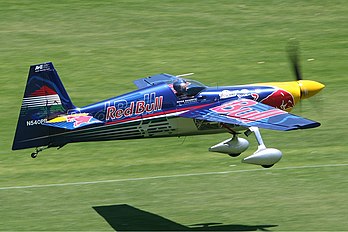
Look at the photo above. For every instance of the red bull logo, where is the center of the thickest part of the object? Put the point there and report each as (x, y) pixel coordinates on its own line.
(247, 110)
(79, 119)
(134, 108)
(280, 99)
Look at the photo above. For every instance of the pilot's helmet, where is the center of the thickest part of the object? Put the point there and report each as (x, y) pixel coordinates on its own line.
(180, 86)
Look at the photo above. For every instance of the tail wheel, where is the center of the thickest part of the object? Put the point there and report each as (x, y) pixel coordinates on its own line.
(33, 155)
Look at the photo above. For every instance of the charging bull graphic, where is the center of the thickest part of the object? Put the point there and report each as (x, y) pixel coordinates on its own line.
(280, 99)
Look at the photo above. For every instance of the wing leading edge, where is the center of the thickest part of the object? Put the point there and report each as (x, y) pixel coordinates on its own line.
(247, 113)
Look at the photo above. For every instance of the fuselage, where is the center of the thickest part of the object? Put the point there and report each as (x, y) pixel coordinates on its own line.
(163, 105)
(153, 111)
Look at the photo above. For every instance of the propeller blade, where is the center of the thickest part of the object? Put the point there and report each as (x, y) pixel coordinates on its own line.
(293, 52)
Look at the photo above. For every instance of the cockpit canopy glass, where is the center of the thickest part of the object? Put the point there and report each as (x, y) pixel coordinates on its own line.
(187, 87)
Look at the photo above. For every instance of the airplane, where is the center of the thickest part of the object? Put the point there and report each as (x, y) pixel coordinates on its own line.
(164, 105)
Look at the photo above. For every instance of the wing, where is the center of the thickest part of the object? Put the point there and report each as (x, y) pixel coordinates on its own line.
(247, 113)
(73, 121)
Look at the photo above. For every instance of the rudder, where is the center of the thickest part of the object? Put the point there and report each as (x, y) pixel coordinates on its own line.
(44, 98)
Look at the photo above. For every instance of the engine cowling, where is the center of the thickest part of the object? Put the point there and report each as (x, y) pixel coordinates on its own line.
(233, 146)
(266, 157)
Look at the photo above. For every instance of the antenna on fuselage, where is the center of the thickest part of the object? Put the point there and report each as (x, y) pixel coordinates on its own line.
(185, 74)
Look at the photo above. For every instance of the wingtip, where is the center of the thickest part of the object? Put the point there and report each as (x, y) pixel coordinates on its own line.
(306, 126)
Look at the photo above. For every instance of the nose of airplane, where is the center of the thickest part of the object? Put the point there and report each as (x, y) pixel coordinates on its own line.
(309, 88)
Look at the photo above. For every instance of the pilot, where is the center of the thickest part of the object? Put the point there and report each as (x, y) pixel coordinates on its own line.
(180, 86)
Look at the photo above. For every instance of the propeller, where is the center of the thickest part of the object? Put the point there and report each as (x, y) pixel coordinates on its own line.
(293, 52)
(308, 88)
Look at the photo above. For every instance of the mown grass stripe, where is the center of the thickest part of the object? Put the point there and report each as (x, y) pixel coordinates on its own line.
(169, 176)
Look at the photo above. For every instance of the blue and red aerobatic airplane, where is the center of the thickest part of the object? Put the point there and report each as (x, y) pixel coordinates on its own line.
(163, 105)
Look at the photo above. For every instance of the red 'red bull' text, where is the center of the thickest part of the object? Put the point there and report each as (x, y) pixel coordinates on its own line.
(246, 110)
(134, 108)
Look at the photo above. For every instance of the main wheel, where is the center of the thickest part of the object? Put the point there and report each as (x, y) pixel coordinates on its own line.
(234, 155)
(267, 166)
(33, 155)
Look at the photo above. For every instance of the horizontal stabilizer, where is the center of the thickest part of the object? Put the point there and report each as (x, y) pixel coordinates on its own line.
(154, 80)
(74, 121)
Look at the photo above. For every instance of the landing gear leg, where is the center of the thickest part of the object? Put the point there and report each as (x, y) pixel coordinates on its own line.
(261, 144)
(37, 150)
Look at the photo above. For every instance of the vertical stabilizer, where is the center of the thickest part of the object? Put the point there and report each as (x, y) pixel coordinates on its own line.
(44, 98)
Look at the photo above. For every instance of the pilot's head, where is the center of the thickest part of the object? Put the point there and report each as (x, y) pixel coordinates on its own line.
(180, 86)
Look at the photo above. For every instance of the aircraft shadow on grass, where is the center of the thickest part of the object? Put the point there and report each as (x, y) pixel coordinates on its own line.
(128, 218)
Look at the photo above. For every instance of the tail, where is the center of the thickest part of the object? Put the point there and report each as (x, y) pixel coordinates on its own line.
(44, 98)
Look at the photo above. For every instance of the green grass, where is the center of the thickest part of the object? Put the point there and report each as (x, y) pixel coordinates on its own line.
(99, 48)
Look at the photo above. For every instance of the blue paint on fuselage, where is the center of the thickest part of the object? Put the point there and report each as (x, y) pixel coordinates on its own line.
(170, 102)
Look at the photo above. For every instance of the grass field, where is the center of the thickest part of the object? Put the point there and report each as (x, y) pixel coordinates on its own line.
(100, 47)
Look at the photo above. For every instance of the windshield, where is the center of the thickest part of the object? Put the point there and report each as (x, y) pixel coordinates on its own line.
(187, 87)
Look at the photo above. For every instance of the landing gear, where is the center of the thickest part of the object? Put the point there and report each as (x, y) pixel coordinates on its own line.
(266, 157)
(234, 155)
(37, 150)
(233, 146)
(267, 166)
(33, 155)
